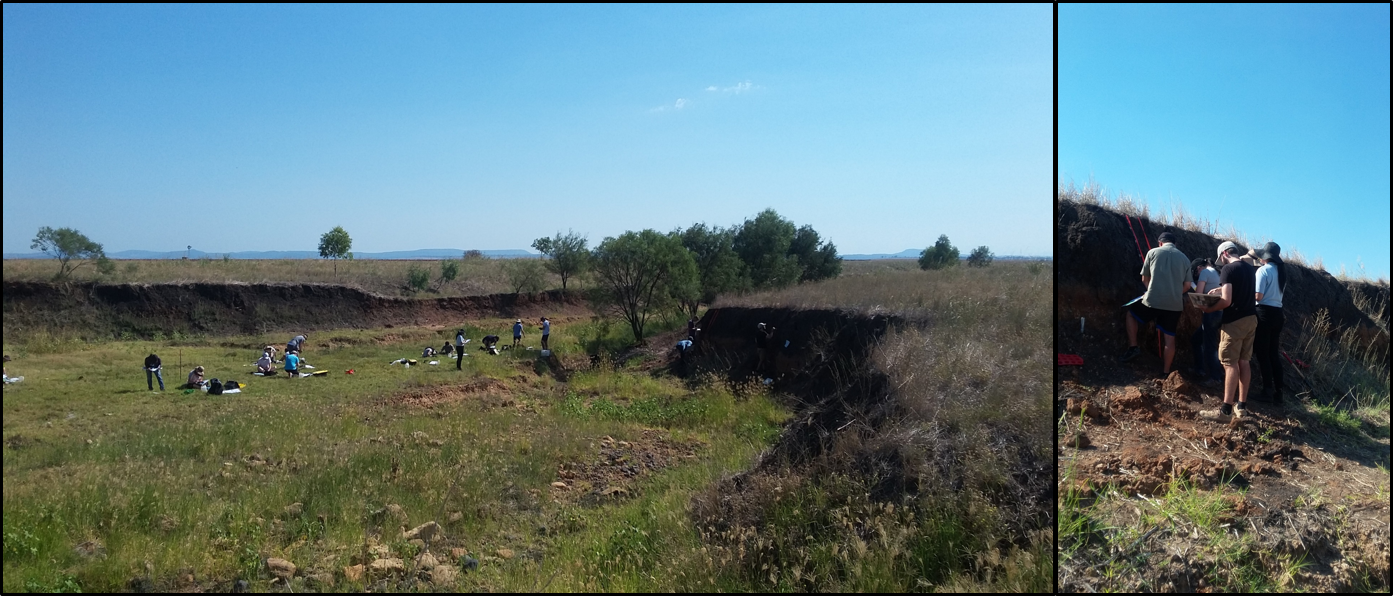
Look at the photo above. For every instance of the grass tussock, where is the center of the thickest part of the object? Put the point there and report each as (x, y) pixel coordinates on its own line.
(939, 479)
(1346, 363)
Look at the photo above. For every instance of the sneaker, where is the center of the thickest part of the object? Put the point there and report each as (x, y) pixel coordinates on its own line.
(1131, 353)
(1216, 415)
(1240, 410)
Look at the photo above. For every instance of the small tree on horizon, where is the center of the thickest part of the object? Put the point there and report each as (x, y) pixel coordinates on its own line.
(66, 244)
(335, 245)
(941, 254)
(566, 254)
(980, 257)
(525, 275)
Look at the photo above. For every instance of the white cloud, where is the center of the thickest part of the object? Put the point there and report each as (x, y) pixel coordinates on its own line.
(739, 87)
(711, 88)
(680, 103)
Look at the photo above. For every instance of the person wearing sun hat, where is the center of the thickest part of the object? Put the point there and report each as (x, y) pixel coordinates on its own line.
(1270, 287)
(517, 333)
(1237, 330)
(1166, 274)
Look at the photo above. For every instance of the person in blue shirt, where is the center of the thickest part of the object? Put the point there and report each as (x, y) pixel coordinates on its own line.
(1271, 286)
(292, 364)
(517, 333)
(546, 332)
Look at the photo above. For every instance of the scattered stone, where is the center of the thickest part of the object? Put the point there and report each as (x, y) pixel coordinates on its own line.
(443, 575)
(294, 509)
(387, 566)
(425, 532)
(417, 542)
(380, 551)
(1079, 440)
(1073, 406)
(426, 562)
(560, 485)
(458, 552)
(624, 444)
(1131, 398)
(396, 512)
(455, 516)
(614, 490)
(505, 553)
(240, 586)
(469, 563)
(280, 568)
(353, 573)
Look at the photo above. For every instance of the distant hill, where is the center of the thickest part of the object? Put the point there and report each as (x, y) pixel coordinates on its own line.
(427, 253)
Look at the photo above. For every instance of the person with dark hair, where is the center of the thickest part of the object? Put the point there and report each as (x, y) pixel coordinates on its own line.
(152, 369)
(195, 378)
(1237, 330)
(1205, 342)
(1166, 274)
(459, 349)
(764, 343)
(1271, 286)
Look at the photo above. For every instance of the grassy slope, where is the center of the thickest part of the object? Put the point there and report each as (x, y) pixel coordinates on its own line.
(163, 481)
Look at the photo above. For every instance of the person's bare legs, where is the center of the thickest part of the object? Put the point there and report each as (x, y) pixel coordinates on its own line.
(1131, 330)
(1231, 374)
(1170, 354)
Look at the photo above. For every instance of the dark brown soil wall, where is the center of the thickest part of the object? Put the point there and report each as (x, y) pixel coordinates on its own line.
(1098, 270)
(95, 311)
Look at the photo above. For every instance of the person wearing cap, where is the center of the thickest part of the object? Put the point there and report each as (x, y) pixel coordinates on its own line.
(1237, 330)
(1271, 285)
(1205, 341)
(195, 378)
(517, 333)
(546, 332)
(153, 366)
(1166, 273)
(292, 363)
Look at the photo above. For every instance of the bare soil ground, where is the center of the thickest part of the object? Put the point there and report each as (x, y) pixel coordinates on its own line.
(1303, 491)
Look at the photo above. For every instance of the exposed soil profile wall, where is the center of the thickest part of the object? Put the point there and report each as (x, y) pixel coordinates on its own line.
(1098, 270)
(94, 311)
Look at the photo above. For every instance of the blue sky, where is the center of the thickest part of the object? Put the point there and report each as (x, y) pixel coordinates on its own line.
(1272, 119)
(261, 127)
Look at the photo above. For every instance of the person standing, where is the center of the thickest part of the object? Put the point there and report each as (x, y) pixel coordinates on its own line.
(1166, 273)
(1271, 285)
(459, 349)
(1205, 342)
(546, 332)
(517, 333)
(1237, 331)
(764, 343)
(152, 369)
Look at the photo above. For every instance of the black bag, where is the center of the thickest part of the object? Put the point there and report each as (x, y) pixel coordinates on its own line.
(231, 385)
(214, 387)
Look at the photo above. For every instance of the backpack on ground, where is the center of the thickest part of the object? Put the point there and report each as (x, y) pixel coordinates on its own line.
(214, 387)
(231, 385)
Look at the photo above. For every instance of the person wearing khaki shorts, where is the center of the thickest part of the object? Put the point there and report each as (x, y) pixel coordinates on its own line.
(1237, 332)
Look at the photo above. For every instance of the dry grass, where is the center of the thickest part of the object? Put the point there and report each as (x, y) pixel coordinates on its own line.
(937, 485)
(477, 276)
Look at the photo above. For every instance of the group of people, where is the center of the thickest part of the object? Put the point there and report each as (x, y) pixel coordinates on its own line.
(1244, 320)
(490, 342)
(265, 365)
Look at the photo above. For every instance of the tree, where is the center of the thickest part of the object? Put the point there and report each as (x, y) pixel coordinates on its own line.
(449, 270)
(66, 244)
(941, 254)
(525, 275)
(335, 245)
(763, 245)
(980, 257)
(818, 259)
(639, 271)
(566, 254)
(718, 267)
(417, 277)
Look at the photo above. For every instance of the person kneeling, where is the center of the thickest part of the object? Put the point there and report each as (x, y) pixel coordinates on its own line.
(292, 364)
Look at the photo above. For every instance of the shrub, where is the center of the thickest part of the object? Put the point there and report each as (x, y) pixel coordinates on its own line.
(449, 270)
(980, 257)
(417, 278)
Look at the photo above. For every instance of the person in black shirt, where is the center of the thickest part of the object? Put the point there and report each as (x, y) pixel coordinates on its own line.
(1237, 331)
(152, 369)
(764, 343)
